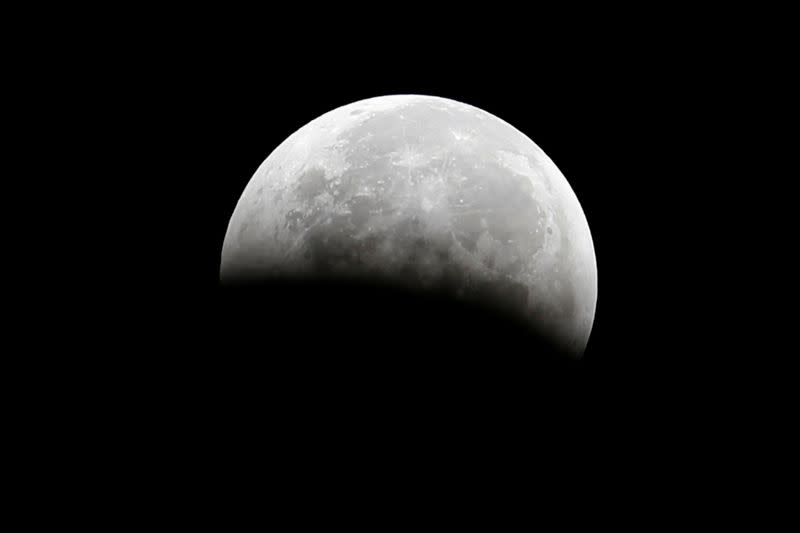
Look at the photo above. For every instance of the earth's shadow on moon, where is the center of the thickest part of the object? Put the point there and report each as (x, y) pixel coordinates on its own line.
(372, 333)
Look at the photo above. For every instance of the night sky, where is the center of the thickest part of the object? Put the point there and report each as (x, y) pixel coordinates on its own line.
(303, 378)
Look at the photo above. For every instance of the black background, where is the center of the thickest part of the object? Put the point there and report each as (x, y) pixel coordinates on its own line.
(290, 391)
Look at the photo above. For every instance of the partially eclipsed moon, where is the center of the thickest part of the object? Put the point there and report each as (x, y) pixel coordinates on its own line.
(428, 192)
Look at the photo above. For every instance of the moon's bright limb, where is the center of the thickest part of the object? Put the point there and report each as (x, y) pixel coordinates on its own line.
(428, 191)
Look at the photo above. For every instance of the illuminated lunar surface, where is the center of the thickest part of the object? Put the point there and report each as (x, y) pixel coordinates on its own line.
(429, 193)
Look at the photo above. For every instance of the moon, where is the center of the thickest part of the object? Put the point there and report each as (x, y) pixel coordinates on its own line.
(427, 192)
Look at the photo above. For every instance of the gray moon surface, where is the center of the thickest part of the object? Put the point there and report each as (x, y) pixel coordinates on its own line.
(427, 192)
